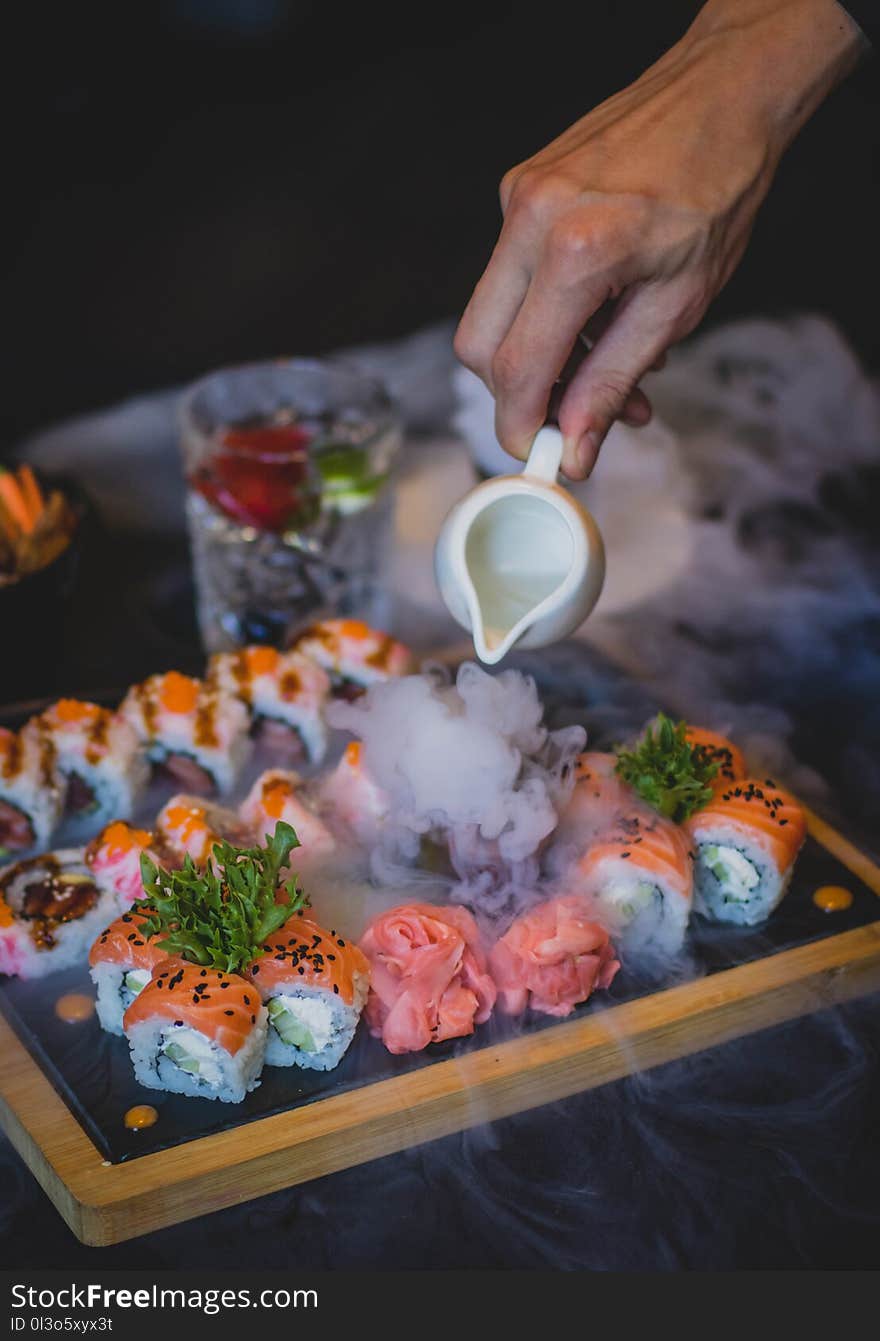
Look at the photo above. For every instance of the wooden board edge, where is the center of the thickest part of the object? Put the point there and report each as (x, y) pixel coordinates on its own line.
(105, 1203)
(846, 852)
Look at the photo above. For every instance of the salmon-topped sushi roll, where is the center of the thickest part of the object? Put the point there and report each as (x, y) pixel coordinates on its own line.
(350, 794)
(717, 749)
(121, 963)
(114, 858)
(599, 798)
(50, 912)
(191, 827)
(429, 976)
(197, 1031)
(31, 797)
(641, 877)
(195, 732)
(552, 958)
(314, 984)
(745, 844)
(98, 759)
(353, 653)
(277, 795)
(285, 691)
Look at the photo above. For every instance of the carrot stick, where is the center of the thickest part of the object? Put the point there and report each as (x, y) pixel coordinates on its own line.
(7, 525)
(30, 491)
(11, 495)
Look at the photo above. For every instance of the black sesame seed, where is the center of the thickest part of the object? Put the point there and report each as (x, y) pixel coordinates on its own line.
(229, 1012)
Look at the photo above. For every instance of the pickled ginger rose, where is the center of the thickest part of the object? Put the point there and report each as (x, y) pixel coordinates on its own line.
(429, 979)
(552, 958)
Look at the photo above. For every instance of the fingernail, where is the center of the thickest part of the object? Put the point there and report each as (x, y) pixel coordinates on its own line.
(587, 450)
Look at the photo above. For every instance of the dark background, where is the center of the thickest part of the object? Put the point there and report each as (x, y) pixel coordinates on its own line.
(192, 182)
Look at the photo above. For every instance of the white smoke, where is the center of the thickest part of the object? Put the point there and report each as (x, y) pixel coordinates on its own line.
(469, 761)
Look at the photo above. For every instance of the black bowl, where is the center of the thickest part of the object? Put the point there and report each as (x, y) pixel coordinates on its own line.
(34, 611)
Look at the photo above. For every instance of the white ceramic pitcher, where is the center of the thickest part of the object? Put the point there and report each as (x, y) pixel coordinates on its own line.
(519, 560)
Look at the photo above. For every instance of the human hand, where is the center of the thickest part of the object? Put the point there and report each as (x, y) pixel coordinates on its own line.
(622, 231)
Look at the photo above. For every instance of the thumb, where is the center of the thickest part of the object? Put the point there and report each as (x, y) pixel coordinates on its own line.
(605, 382)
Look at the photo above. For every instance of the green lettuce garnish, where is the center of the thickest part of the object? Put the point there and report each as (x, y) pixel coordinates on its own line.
(667, 771)
(221, 920)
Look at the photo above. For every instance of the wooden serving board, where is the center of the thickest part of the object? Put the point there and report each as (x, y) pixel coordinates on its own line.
(106, 1203)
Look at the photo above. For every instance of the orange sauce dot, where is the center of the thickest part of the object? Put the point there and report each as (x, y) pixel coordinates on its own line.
(353, 754)
(75, 1007)
(832, 898)
(355, 629)
(120, 837)
(6, 914)
(142, 1115)
(275, 797)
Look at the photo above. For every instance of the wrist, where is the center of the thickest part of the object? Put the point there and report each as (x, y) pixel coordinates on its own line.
(783, 57)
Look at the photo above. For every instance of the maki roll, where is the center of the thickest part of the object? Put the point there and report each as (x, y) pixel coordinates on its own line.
(354, 654)
(352, 797)
(276, 796)
(114, 858)
(198, 734)
(745, 843)
(50, 912)
(285, 691)
(31, 798)
(98, 758)
(314, 984)
(429, 979)
(552, 958)
(598, 799)
(121, 963)
(640, 876)
(197, 1031)
(716, 749)
(190, 827)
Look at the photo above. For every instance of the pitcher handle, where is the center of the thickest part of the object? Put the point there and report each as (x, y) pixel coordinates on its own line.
(545, 455)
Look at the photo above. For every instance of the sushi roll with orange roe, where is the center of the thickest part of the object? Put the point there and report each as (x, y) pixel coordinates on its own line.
(353, 653)
(285, 691)
(31, 797)
(197, 1031)
(745, 843)
(353, 797)
(198, 734)
(191, 827)
(98, 759)
(114, 858)
(121, 963)
(277, 795)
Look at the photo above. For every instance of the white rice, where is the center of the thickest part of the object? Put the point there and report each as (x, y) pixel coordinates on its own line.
(341, 1023)
(729, 899)
(235, 1076)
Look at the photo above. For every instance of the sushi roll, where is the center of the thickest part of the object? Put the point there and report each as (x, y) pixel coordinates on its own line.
(50, 912)
(314, 985)
(429, 978)
(352, 797)
(31, 798)
(121, 963)
(187, 826)
(552, 958)
(114, 858)
(197, 1031)
(640, 875)
(598, 799)
(745, 844)
(276, 796)
(99, 760)
(353, 653)
(198, 734)
(717, 749)
(285, 691)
